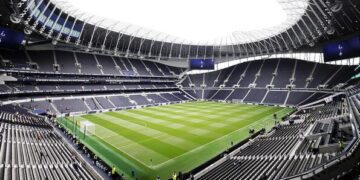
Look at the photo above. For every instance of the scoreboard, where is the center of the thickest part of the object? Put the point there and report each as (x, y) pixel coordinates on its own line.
(10, 39)
(345, 49)
(201, 64)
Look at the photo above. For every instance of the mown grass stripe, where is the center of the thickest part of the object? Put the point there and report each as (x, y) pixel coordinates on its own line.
(167, 138)
(213, 116)
(188, 110)
(172, 131)
(162, 148)
(229, 122)
(132, 148)
(204, 123)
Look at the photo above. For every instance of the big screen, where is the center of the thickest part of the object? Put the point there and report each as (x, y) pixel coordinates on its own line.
(342, 49)
(10, 39)
(201, 64)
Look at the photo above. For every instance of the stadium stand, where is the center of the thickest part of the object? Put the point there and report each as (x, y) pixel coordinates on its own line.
(309, 138)
(273, 81)
(283, 152)
(63, 72)
(95, 76)
(30, 149)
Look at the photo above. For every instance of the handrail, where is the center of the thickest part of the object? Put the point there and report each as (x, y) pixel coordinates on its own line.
(348, 151)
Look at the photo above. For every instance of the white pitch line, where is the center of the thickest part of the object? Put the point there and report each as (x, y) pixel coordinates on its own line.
(257, 122)
(186, 153)
(136, 159)
(146, 140)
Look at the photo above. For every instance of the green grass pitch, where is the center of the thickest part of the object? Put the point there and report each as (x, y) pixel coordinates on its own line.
(160, 140)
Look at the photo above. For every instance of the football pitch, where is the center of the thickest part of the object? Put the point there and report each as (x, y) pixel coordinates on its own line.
(156, 141)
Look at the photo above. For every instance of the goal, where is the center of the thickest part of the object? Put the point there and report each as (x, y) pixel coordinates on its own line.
(87, 127)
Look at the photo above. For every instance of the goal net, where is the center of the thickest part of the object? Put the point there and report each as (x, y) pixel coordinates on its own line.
(87, 127)
(239, 101)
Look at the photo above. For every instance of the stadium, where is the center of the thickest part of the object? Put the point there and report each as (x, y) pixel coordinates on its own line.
(181, 90)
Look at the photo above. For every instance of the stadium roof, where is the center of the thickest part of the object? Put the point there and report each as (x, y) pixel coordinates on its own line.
(199, 22)
(156, 31)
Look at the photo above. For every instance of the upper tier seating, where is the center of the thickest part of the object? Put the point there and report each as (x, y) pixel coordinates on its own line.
(87, 63)
(261, 73)
(274, 81)
(71, 62)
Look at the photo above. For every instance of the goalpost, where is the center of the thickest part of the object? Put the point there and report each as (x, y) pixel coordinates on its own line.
(237, 101)
(87, 127)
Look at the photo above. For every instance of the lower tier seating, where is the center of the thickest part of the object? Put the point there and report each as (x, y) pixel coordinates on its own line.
(36, 152)
(307, 139)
